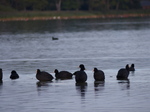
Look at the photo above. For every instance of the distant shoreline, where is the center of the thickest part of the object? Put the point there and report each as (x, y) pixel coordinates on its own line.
(55, 16)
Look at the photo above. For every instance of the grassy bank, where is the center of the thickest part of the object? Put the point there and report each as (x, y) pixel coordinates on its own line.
(48, 15)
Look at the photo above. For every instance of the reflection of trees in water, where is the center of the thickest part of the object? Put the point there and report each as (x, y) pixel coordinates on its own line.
(82, 88)
(125, 84)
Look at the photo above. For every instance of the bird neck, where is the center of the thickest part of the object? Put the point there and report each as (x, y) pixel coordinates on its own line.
(82, 69)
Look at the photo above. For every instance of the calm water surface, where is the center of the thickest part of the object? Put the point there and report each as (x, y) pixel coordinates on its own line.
(108, 44)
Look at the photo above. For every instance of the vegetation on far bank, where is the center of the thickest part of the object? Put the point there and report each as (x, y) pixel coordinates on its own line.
(70, 9)
(48, 15)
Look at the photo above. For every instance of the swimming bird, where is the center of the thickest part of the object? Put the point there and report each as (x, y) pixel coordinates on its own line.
(14, 75)
(99, 75)
(123, 73)
(1, 74)
(43, 76)
(132, 68)
(80, 76)
(62, 74)
(54, 38)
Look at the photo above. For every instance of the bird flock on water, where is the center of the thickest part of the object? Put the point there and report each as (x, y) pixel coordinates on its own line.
(80, 76)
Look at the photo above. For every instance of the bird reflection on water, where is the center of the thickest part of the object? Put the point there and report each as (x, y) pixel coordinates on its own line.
(39, 83)
(1, 82)
(99, 85)
(82, 88)
(125, 84)
(42, 87)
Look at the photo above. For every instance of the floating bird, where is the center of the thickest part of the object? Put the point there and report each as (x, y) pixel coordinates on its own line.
(123, 73)
(63, 74)
(1, 74)
(54, 38)
(132, 68)
(43, 76)
(99, 75)
(14, 75)
(80, 76)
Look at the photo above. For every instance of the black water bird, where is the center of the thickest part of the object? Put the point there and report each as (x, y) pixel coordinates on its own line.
(1, 74)
(80, 76)
(43, 76)
(63, 74)
(98, 75)
(54, 38)
(132, 68)
(14, 75)
(123, 73)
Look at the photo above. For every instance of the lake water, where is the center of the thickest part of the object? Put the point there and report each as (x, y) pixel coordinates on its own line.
(108, 44)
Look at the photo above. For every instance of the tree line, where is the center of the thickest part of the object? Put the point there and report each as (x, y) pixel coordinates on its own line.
(67, 5)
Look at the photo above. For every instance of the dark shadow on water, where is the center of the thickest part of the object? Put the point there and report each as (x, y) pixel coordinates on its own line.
(43, 83)
(1, 82)
(42, 87)
(125, 84)
(99, 85)
(81, 88)
(1, 86)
